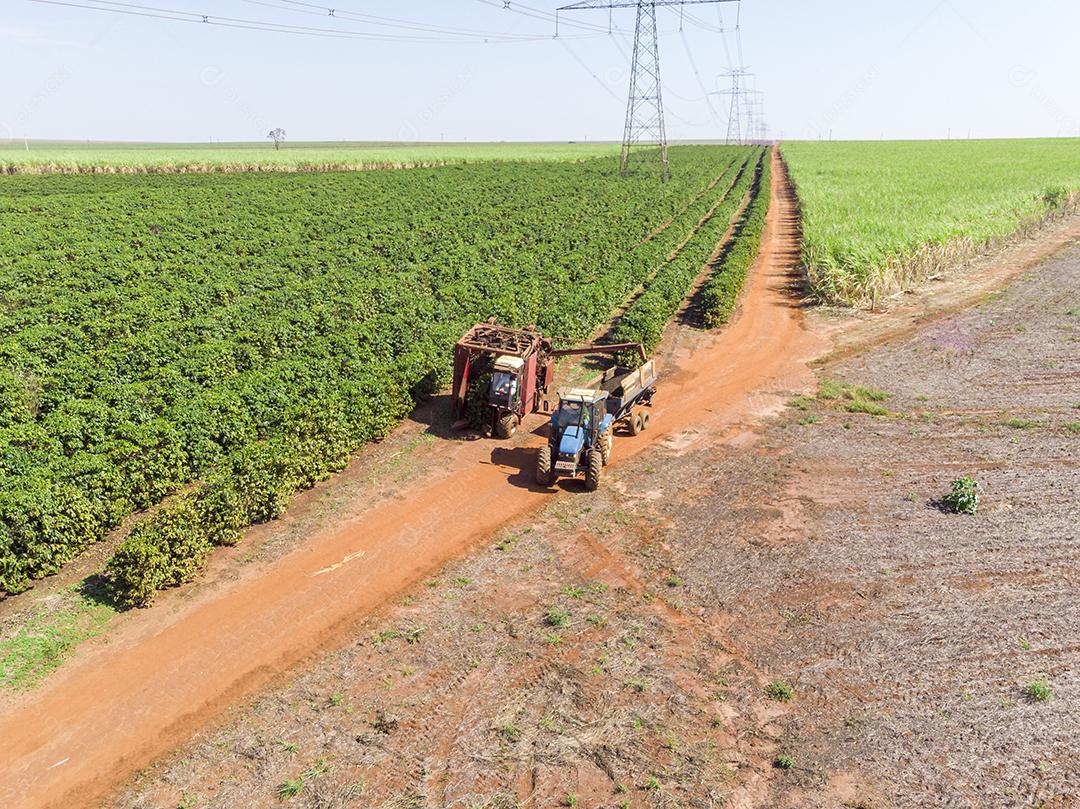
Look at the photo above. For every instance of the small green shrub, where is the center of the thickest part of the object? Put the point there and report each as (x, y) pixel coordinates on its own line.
(511, 732)
(558, 617)
(1038, 691)
(784, 762)
(964, 496)
(779, 691)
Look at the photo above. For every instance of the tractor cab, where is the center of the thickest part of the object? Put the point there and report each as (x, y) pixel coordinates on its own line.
(506, 383)
(579, 438)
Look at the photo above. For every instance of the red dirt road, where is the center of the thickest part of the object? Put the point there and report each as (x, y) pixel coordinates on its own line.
(116, 706)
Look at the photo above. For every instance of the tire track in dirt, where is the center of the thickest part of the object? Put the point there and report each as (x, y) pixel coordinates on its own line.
(115, 707)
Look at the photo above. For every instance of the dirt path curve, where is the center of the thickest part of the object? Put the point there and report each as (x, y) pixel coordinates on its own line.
(116, 706)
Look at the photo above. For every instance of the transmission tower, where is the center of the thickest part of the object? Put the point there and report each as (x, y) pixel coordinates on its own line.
(739, 105)
(644, 136)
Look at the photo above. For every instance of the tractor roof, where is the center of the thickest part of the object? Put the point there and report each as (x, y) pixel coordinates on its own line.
(585, 395)
(506, 363)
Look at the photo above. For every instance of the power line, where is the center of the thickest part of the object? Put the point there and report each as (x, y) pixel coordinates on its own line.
(300, 7)
(173, 15)
(539, 14)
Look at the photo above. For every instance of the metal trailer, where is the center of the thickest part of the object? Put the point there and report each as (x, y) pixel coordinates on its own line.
(580, 434)
(522, 366)
(630, 391)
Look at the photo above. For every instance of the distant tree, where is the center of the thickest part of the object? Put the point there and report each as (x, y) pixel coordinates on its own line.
(277, 135)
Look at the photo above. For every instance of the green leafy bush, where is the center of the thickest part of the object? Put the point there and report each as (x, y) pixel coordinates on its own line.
(1038, 691)
(779, 691)
(964, 496)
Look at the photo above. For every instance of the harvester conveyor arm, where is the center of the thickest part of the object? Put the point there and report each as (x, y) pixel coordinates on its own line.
(603, 348)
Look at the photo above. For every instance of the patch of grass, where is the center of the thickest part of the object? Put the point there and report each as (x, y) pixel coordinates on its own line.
(1020, 424)
(1038, 691)
(673, 581)
(51, 634)
(855, 398)
(870, 408)
(653, 783)
(784, 763)
(830, 389)
(964, 495)
(411, 636)
(1073, 428)
(289, 789)
(557, 617)
(779, 691)
(570, 800)
(806, 421)
(801, 403)
(511, 732)
(571, 591)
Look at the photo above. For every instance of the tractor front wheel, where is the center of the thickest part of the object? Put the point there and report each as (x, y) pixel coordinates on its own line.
(594, 470)
(543, 466)
(506, 426)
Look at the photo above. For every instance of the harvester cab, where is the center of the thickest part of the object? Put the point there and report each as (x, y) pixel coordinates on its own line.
(507, 383)
(579, 438)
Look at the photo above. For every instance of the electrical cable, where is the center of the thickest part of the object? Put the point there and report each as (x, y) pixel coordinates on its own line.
(173, 15)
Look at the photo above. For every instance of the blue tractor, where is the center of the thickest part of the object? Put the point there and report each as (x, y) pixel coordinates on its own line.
(579, 435)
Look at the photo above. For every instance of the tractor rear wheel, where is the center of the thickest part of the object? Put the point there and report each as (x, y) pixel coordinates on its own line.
(594, 470)
(635, 423)
(543, 466)
(605, 446)
(506, 426)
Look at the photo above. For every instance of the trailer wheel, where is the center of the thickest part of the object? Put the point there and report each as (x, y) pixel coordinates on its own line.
(506, 426)
(594, 470)
(644, 419)
(605, 446)
(635, 423)
(543, 466)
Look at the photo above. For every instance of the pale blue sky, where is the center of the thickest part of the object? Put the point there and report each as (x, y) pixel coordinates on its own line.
(858, 69)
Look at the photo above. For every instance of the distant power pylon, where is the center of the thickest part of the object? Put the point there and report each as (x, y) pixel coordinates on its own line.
(739, 108)
(644, 136)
